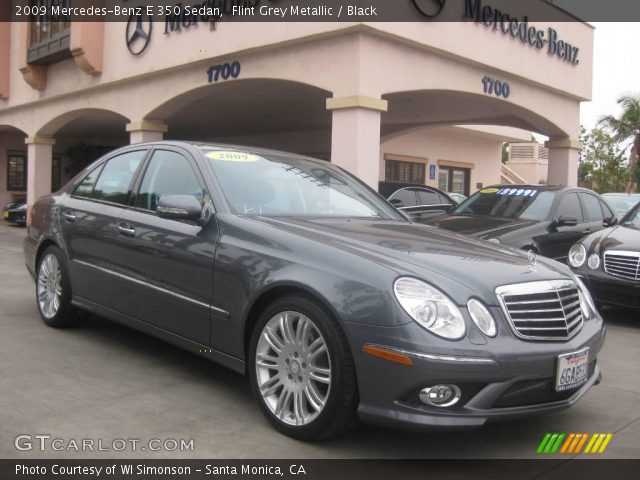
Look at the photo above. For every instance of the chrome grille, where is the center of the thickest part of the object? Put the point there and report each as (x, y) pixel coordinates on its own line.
(546, 310)
(622, 264)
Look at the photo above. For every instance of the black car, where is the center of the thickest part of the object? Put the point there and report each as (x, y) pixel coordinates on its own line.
(545, 219)
(15, 212)
(609, 262)
(419, 202)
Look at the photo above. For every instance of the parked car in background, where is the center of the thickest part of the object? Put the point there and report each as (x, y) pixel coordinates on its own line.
(296, 273)
(457, 197)
(609, 262)
(419, 202)
(15, 212)
(622, 202)
(545, 219)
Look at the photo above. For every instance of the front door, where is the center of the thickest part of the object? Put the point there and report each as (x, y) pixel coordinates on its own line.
(167, 264)
(557, 242)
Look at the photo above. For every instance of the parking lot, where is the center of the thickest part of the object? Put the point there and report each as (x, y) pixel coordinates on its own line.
(103, 381)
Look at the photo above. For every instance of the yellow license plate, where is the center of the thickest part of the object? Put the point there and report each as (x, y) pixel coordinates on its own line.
(5, 214)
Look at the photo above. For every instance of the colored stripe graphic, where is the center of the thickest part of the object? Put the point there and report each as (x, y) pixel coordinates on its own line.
(573, 443)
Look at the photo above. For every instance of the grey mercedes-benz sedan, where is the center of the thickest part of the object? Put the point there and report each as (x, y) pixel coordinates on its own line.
(294, 272)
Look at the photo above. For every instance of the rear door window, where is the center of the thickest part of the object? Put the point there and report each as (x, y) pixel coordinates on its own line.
(114, 183)
(403, 198)
(85, 187)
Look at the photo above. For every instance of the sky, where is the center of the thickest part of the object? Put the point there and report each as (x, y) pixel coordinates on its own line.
(616, 69)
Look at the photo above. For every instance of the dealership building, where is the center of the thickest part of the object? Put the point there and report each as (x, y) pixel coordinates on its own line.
(424, 101)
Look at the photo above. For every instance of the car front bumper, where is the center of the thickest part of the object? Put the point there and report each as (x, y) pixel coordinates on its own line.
(611, 290)
(500, 379)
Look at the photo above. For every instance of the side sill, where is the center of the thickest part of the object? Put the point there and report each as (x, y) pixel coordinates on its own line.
(204, 351)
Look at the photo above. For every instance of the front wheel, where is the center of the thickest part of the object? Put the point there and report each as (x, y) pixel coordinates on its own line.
(53, 289)
(301, 370)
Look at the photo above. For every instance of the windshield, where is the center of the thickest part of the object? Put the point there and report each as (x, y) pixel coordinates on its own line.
(622, 203)
(282, 185)
(521, 203)
(632, 219)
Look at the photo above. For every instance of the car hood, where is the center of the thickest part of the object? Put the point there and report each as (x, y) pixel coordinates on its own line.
(427, 252)
(617, 238)
(480, 226)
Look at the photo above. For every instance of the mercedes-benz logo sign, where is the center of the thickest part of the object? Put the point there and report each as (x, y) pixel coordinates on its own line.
(138, 35)
(429, 8)
(533, 259)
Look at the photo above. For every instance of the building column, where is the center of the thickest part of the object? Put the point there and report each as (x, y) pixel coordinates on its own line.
(39, 160)
(563, 161)
(146, 131)
(355, 136)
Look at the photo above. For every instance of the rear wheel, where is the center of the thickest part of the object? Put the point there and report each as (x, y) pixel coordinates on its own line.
(301, 370)
(53, 289)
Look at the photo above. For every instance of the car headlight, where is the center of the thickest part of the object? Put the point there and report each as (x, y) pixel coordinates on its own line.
(577, 255)
(594, 261)
(587, 305)
(482, 317)
(430, 308)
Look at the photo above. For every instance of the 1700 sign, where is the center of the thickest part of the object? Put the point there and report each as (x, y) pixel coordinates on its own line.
(496, 87)
(223, 71)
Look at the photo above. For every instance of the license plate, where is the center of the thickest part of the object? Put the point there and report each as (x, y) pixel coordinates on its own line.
(573, 370)
(5, 214)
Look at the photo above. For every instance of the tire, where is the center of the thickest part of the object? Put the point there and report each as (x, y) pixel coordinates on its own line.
(52, 276)
(308, 378)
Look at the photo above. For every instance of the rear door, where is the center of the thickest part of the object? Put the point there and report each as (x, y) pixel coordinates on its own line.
(167, 265)
(88, 222)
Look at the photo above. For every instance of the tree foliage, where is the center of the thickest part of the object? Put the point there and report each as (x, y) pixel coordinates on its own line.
(602, 166)
(625, 131)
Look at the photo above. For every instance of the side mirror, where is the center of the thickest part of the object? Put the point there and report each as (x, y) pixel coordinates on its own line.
(609, 222)
(396, 203)
(179, 207)
(564, 221)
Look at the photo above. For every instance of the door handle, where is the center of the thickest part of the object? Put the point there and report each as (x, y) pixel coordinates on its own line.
(69, 216)
(127, 230)
(586, 230)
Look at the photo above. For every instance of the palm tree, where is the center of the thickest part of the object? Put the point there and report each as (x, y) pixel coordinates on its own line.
(626, 128)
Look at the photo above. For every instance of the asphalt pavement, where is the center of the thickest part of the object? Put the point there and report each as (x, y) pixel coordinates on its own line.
(103, 381)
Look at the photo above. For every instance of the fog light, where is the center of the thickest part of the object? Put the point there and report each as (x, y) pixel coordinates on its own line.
(440, 395)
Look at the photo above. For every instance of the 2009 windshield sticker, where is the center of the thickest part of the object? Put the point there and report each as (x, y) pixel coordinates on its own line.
(233, 156)
(517, 192)
(489, 190)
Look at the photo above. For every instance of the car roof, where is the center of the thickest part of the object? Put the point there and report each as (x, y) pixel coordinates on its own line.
(228, 146)
(620, 194)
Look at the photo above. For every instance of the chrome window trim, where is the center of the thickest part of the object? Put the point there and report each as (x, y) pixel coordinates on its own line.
(542, 286)
(152, 286)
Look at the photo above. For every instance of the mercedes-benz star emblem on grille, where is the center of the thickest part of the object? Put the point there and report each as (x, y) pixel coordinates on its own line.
(138, 35)
(533, 259)
(429, 8)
